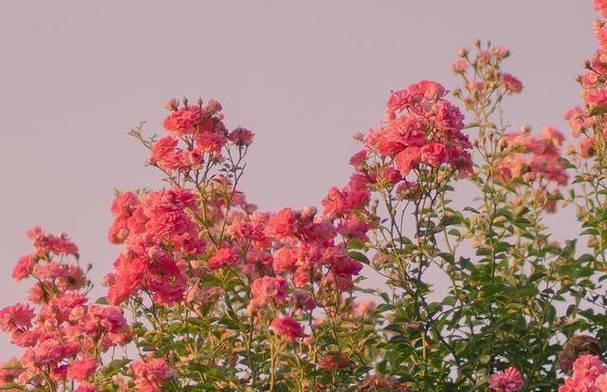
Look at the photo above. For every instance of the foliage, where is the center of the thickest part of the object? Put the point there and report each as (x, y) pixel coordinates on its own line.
(210, 294)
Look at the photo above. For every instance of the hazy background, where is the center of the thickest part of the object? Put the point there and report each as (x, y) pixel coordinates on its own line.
(75, 76)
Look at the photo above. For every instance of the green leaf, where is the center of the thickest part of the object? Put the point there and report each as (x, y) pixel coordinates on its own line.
(359, 256)
(354, 244)
(597, 111)
(114, 367)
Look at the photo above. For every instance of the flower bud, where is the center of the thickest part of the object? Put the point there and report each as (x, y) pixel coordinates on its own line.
(172, 105)
(213, 106)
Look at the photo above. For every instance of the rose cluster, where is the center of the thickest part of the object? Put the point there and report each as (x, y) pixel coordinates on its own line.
(422, 131)
(589, 375)
(196, 134)
(208, 292)
(64, 339)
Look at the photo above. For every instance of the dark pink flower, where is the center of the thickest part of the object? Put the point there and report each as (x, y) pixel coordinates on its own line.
(407, 160)
(433, 154)
(184, 120)
(17, 317)
(287, 328)
(512, 84)
(282, 224)
(82, 369)
(24, 267)
(509, 380)
(223, 256)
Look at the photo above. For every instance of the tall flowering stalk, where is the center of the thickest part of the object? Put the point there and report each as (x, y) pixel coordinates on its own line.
(512, 286)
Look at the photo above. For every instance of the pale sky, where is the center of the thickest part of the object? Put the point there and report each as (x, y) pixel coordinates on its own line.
(76, 75)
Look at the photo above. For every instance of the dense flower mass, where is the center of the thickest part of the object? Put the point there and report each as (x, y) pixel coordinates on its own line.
(601, 7)
(589, 375)
(388, 286)
(144, 224)
(533, 158)
(422, 128)
(196, 135)
(66, 335)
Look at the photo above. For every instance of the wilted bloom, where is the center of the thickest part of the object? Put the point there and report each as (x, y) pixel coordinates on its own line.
(172, 104)
(302, 300)
(362, 308)
(241, 136)
(574, 347)
(9, 371)
(334, 361)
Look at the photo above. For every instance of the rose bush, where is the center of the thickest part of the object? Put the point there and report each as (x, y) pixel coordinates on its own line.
(210, 294)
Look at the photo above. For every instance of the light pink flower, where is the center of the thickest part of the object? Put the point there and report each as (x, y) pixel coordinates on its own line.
(460, 66)
(150, 374)
(362, 308)
(266, 289)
